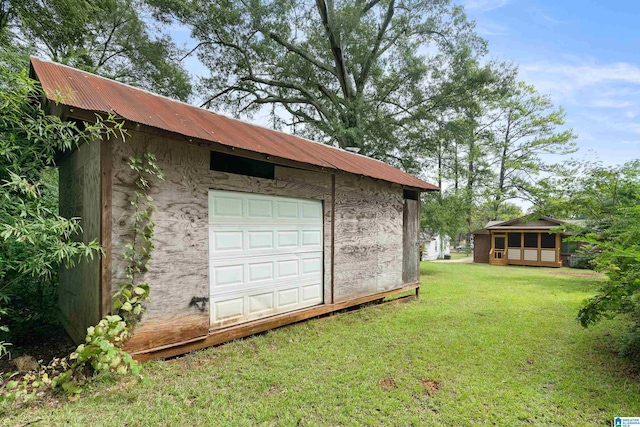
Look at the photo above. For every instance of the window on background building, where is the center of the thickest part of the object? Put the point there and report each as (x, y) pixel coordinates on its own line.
(530, 240)
(547, 241)
(515, 240)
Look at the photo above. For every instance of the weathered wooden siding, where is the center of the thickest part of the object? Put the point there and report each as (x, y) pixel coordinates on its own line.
(179, 270)
(79, 288)
(410, 245)
(368, 233)
(368, 237)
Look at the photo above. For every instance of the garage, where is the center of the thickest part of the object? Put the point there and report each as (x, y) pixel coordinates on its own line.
(254, 228)
(265, 255)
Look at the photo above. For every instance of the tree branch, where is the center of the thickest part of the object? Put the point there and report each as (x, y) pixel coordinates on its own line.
(336, 50)
(298, 51)
(376, 46)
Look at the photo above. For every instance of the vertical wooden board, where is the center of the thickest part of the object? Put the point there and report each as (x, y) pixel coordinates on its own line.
(91, 213)
(368, 237)
(389, 236)
(179, 271)
(106, 160)
(67, 288)
(79, 287)
(65, 183)
(410, 271)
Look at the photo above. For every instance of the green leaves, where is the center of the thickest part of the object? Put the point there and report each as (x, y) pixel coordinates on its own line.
(112, 38)
(608, 200)
(35, 241)
(129, 299)
(351, 73)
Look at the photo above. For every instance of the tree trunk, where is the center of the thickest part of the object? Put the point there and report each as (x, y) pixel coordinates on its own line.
(501, 176)
(470, 184)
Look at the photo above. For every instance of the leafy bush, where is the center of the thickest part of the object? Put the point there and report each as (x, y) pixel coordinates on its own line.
(616, 237)
(34, 240)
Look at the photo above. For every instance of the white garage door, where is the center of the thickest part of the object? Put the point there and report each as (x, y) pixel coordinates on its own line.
(265, 255)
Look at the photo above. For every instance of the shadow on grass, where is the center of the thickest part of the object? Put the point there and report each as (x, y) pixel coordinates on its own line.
(598, 348)
(562, 280)
(567, 285)
(426, 271)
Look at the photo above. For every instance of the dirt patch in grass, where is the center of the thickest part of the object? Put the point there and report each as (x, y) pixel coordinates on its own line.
(274, 390)
(388, 384)
(44, 347)
(431, 386)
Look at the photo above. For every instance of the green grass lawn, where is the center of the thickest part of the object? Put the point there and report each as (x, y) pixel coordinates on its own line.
(484, 345)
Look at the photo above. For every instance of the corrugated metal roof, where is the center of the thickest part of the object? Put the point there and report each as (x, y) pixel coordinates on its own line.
(86, 91)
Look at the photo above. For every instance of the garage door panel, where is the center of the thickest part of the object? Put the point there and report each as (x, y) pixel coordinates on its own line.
(312, 266)
(227, 275)
(287, 210)
(233, 241)
(287, 268)
(288, 297)
(287, 239)
(225, 241)
(311, 210)
(230, 275)
(260, 271)
(260, 239)
(311, 238)
(226, 207)
(231, 309)
(311, 292)
(265, 256)
(261, 303)
(259, 208)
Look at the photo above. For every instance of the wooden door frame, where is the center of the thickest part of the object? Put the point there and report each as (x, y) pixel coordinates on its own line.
(492, 257)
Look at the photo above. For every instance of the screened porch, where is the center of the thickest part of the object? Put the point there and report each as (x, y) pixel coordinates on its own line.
(521, 247)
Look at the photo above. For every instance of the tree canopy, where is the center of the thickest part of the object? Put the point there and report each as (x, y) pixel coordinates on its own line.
(354, 73)
(111, 38)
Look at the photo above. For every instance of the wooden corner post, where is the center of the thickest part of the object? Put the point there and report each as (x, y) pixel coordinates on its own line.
(106, 181)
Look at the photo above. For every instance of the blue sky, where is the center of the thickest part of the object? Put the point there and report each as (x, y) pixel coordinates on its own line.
(584, 53)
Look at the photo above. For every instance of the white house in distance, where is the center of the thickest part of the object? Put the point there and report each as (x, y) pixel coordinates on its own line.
(433, 246)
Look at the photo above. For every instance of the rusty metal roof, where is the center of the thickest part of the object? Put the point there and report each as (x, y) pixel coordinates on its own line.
(86, 91)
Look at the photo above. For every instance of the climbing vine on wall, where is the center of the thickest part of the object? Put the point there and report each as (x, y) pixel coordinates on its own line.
(102, 350)
(132, 293)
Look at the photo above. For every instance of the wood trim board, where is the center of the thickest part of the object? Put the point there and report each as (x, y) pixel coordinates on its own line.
(333, 235)
(106, 165)
(221, 336)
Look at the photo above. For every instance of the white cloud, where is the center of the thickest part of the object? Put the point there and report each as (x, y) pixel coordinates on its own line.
(551, 19)
(484, 5)
(567, 77)
(490, 28)
(613, 123)
(601, 100)
(611, 103)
